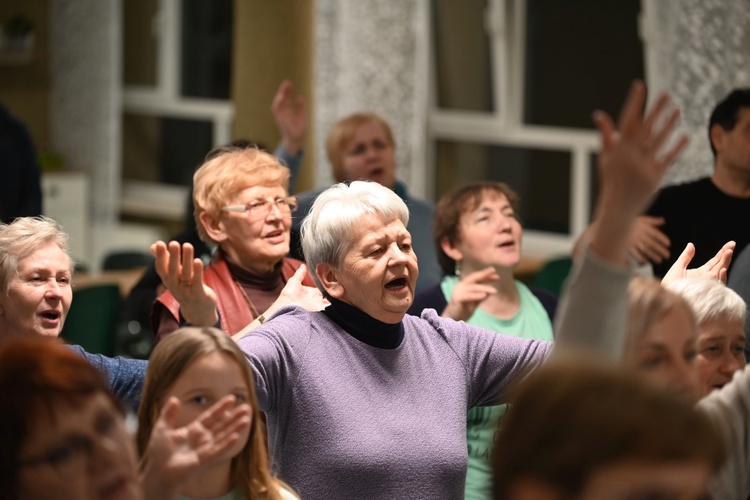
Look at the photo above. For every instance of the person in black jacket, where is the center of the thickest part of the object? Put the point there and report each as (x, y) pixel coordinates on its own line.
(20, 190)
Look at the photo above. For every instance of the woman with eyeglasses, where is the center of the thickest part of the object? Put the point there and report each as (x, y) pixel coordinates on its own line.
(242, 206)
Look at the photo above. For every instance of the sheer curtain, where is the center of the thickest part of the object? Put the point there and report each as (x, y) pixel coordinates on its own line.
(85, 64)
(698, 50)
(372, 55)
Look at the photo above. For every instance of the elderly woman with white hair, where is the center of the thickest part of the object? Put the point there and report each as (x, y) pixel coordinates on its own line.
(36, 275)
(365, 401)
(720, 313)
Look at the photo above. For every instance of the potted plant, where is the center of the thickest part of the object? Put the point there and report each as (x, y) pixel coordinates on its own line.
(19, 33)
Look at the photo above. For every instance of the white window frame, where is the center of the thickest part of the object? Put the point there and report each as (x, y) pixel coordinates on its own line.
(505, 21)
(164, 101)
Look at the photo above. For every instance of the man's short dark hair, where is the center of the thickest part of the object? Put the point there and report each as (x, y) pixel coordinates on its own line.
(726, 112)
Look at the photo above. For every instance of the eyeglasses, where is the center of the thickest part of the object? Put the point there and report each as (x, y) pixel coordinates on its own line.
(258, 209)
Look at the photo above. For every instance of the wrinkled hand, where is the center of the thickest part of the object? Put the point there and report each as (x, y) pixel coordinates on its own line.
(469, 292)
(715, 268)
(647, 242)
(177, 453)
(290, 114)
(295, 293)
(183, 276)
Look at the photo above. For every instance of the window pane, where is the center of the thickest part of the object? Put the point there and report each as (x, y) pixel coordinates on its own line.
(164, 150)
(139, 44)
(206, 48)
(594, 187)
(462, 55)
(540, 177)
(581, 55)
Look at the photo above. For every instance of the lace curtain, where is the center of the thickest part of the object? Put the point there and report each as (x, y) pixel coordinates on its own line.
(698, 50)
(372, 55)
(85, 102)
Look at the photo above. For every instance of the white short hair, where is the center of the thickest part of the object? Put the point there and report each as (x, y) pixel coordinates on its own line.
(710, 300)
(327, 229)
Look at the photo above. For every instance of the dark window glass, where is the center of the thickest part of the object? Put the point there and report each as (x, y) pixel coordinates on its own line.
(581, 55)
(206, 48)
(139, 43)
(594, 186)
(462, 55)
(540, 177)
(164, 150)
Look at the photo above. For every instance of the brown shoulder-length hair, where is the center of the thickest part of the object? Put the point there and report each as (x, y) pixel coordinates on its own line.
(341, 134)
(457, 202)
(169, 360)
(38, 374)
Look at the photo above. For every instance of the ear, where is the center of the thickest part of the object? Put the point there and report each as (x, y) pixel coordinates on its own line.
(329, 279)
(214, 226)
(450, 250)
(717, 137)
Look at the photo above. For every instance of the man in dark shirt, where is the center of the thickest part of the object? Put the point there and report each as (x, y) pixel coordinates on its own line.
(709, 211)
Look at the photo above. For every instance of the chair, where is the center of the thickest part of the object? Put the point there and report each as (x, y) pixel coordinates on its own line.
(126, 259)
(92, 318)
(553, 274)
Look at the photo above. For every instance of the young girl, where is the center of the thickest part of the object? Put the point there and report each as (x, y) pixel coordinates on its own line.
(198, 367)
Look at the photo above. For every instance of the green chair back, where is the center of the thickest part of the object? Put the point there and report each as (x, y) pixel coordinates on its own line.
(92, 318)
(552, 275)
(126, 259)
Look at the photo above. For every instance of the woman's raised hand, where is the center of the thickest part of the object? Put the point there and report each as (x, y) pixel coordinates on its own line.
(182, 274)
(469, 292)
(634, 156)
(294, 293)
(177, 453)
(297, 294)
(715, 268)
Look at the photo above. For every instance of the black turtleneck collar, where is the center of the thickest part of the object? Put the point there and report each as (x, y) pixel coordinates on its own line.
(269, 281)
(364, 327)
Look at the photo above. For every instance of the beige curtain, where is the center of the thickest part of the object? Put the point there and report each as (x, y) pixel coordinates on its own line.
(272, 41)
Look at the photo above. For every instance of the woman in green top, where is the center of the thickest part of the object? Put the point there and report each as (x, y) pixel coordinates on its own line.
(478, 240)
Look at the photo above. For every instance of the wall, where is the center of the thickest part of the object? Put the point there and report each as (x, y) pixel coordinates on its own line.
(273, 41)
(24, 88)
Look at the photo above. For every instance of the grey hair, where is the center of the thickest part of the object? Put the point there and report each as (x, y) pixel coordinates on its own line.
(24, 236)
(710, 300)
(327, 229)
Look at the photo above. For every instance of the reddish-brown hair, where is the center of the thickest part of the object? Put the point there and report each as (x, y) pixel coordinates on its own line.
(38, 374)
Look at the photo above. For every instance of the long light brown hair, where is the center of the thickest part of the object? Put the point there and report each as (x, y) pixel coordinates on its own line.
(172, 356)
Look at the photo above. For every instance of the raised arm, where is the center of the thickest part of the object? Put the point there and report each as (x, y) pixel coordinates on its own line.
(290, 114)
(182, 275)
(634, 157)
(175, 454)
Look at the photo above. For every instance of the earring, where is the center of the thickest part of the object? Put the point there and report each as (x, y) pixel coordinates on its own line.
(457, 269)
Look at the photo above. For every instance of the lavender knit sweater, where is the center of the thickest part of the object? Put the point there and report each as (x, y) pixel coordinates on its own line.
(347, 420)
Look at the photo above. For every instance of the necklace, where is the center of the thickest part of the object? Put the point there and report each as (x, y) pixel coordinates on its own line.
(249, 302)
